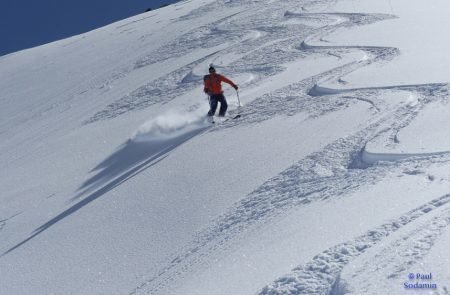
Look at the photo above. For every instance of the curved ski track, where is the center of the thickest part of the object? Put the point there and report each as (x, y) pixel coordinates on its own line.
(302, 183)
(321, 274)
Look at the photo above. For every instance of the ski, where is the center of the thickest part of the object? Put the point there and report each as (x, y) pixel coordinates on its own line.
(213, 121)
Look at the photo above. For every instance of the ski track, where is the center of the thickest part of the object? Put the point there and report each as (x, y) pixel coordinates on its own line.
(3, 222)
(412, 247)
(299, 185)
(274, 45)
(334, 172)
(320, 275)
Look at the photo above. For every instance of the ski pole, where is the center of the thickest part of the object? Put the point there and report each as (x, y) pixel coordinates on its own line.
(239, 101)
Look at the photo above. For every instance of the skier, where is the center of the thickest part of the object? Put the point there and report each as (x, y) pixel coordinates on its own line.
(213, 87)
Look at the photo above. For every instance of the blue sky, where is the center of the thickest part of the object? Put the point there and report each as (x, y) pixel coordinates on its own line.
(25, 24)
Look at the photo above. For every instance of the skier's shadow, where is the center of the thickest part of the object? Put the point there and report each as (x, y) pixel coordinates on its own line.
(130, 159)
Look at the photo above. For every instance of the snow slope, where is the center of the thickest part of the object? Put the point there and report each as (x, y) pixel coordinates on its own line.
(334, 180)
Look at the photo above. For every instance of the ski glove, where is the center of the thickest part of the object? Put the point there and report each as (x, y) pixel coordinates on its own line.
(235, 87)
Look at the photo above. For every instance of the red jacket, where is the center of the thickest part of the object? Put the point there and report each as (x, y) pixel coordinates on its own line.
(213, 84)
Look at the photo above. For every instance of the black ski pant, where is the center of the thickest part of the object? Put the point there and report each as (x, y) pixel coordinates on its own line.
(213, 100)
